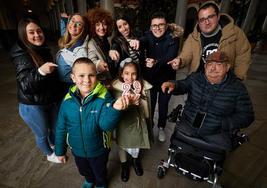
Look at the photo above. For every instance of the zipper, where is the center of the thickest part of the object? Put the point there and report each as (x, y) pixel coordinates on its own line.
(81, 118)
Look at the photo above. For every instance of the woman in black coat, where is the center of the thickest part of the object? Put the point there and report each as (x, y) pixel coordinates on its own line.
(37, 84)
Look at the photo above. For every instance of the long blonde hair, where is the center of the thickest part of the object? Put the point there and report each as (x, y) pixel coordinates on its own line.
(66, 41)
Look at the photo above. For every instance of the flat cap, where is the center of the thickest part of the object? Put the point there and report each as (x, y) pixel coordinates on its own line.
(217, 56)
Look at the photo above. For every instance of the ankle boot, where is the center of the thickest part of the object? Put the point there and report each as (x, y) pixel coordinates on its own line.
(138, 166)
(125, 171)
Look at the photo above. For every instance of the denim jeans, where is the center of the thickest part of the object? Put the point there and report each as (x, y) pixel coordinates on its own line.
(41, 119)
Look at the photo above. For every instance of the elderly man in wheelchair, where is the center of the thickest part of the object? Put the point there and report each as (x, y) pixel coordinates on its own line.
(218, 106)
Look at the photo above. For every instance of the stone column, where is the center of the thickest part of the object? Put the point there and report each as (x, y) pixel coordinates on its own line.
(250, 17)
(181, 10)
(82, 6)
(264, 26)
(225, 6)
(69, 6)
(108, 5)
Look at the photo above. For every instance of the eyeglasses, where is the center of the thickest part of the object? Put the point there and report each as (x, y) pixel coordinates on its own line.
(208, 18)
(76, 24)
(159, 26)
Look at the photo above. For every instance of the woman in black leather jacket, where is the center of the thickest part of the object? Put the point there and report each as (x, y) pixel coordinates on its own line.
(124, 42)
(37, 84)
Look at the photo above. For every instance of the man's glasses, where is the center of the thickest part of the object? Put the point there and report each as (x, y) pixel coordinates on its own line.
(76, 24)
(159, 26)
(203, 20)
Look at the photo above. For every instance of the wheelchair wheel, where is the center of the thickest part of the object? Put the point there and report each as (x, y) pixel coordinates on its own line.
(161, 171)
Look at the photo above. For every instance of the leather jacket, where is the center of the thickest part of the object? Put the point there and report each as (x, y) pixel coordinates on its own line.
(32, 87)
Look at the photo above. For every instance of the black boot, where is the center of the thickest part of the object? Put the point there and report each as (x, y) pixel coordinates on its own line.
(125, 171)
(138, 166)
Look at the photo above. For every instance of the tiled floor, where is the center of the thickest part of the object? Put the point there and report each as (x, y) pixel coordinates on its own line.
(23, 165)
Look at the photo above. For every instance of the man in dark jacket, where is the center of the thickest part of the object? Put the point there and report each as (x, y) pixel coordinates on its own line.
(160, 46)
(217, 104)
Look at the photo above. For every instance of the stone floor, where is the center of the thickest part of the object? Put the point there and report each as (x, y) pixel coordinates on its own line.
(22, 165)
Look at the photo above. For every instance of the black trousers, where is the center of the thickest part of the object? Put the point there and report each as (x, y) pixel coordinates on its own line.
(163, 103)
(93, 169)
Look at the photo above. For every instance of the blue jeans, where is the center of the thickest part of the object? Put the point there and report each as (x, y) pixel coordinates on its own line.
(41, 119)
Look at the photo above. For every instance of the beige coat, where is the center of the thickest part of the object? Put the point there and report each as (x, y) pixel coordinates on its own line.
(233, 42)
(96, 55)
(134, 129)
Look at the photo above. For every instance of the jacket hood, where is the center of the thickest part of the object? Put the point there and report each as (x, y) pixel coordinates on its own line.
(99, 91)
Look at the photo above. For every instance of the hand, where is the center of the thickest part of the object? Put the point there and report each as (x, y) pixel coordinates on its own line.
(47, 68)
(64, 15)
(167, 87)
(114, 55)
(121, 103)
(134, 99)
(150, 62)
(135, 44)
(102, 66)
(62, 158)
(175, 63)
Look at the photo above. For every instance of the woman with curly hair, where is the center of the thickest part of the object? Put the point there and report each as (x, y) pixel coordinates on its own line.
(101, 25)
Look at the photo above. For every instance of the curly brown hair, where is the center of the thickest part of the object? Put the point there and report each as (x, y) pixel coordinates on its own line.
(99, 15)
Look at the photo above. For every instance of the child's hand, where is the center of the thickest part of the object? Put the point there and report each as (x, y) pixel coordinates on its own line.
(134, 99)
(62, 158)
(121, 103)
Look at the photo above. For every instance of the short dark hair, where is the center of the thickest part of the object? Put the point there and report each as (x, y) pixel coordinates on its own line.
(81, 60)
(158, 14)
(207, 5)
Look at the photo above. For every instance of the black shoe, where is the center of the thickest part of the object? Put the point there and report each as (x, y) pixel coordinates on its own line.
(137, 167)
(125, 171)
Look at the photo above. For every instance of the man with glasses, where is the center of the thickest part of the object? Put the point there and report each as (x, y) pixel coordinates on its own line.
(160, 46)
(214, 31)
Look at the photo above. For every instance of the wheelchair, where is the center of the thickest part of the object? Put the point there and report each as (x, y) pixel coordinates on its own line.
(195, 158)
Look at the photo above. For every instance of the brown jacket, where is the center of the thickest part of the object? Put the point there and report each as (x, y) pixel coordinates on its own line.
(233, 42)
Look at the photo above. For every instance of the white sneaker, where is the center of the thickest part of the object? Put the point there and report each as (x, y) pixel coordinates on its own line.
(161, 135)
(53, 158)
(52, 147)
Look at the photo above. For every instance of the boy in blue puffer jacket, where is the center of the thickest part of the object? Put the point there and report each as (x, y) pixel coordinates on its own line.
(86, 114)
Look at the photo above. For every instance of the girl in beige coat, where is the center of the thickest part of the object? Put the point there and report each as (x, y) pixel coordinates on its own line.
(134, 131)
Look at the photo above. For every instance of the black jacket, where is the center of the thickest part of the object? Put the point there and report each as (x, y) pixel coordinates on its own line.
(227, 106)
(163, 50)
(32, 87)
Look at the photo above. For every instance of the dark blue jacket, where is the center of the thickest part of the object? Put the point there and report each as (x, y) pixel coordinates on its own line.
(83, 124)
(163, 50)
(227, 105)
